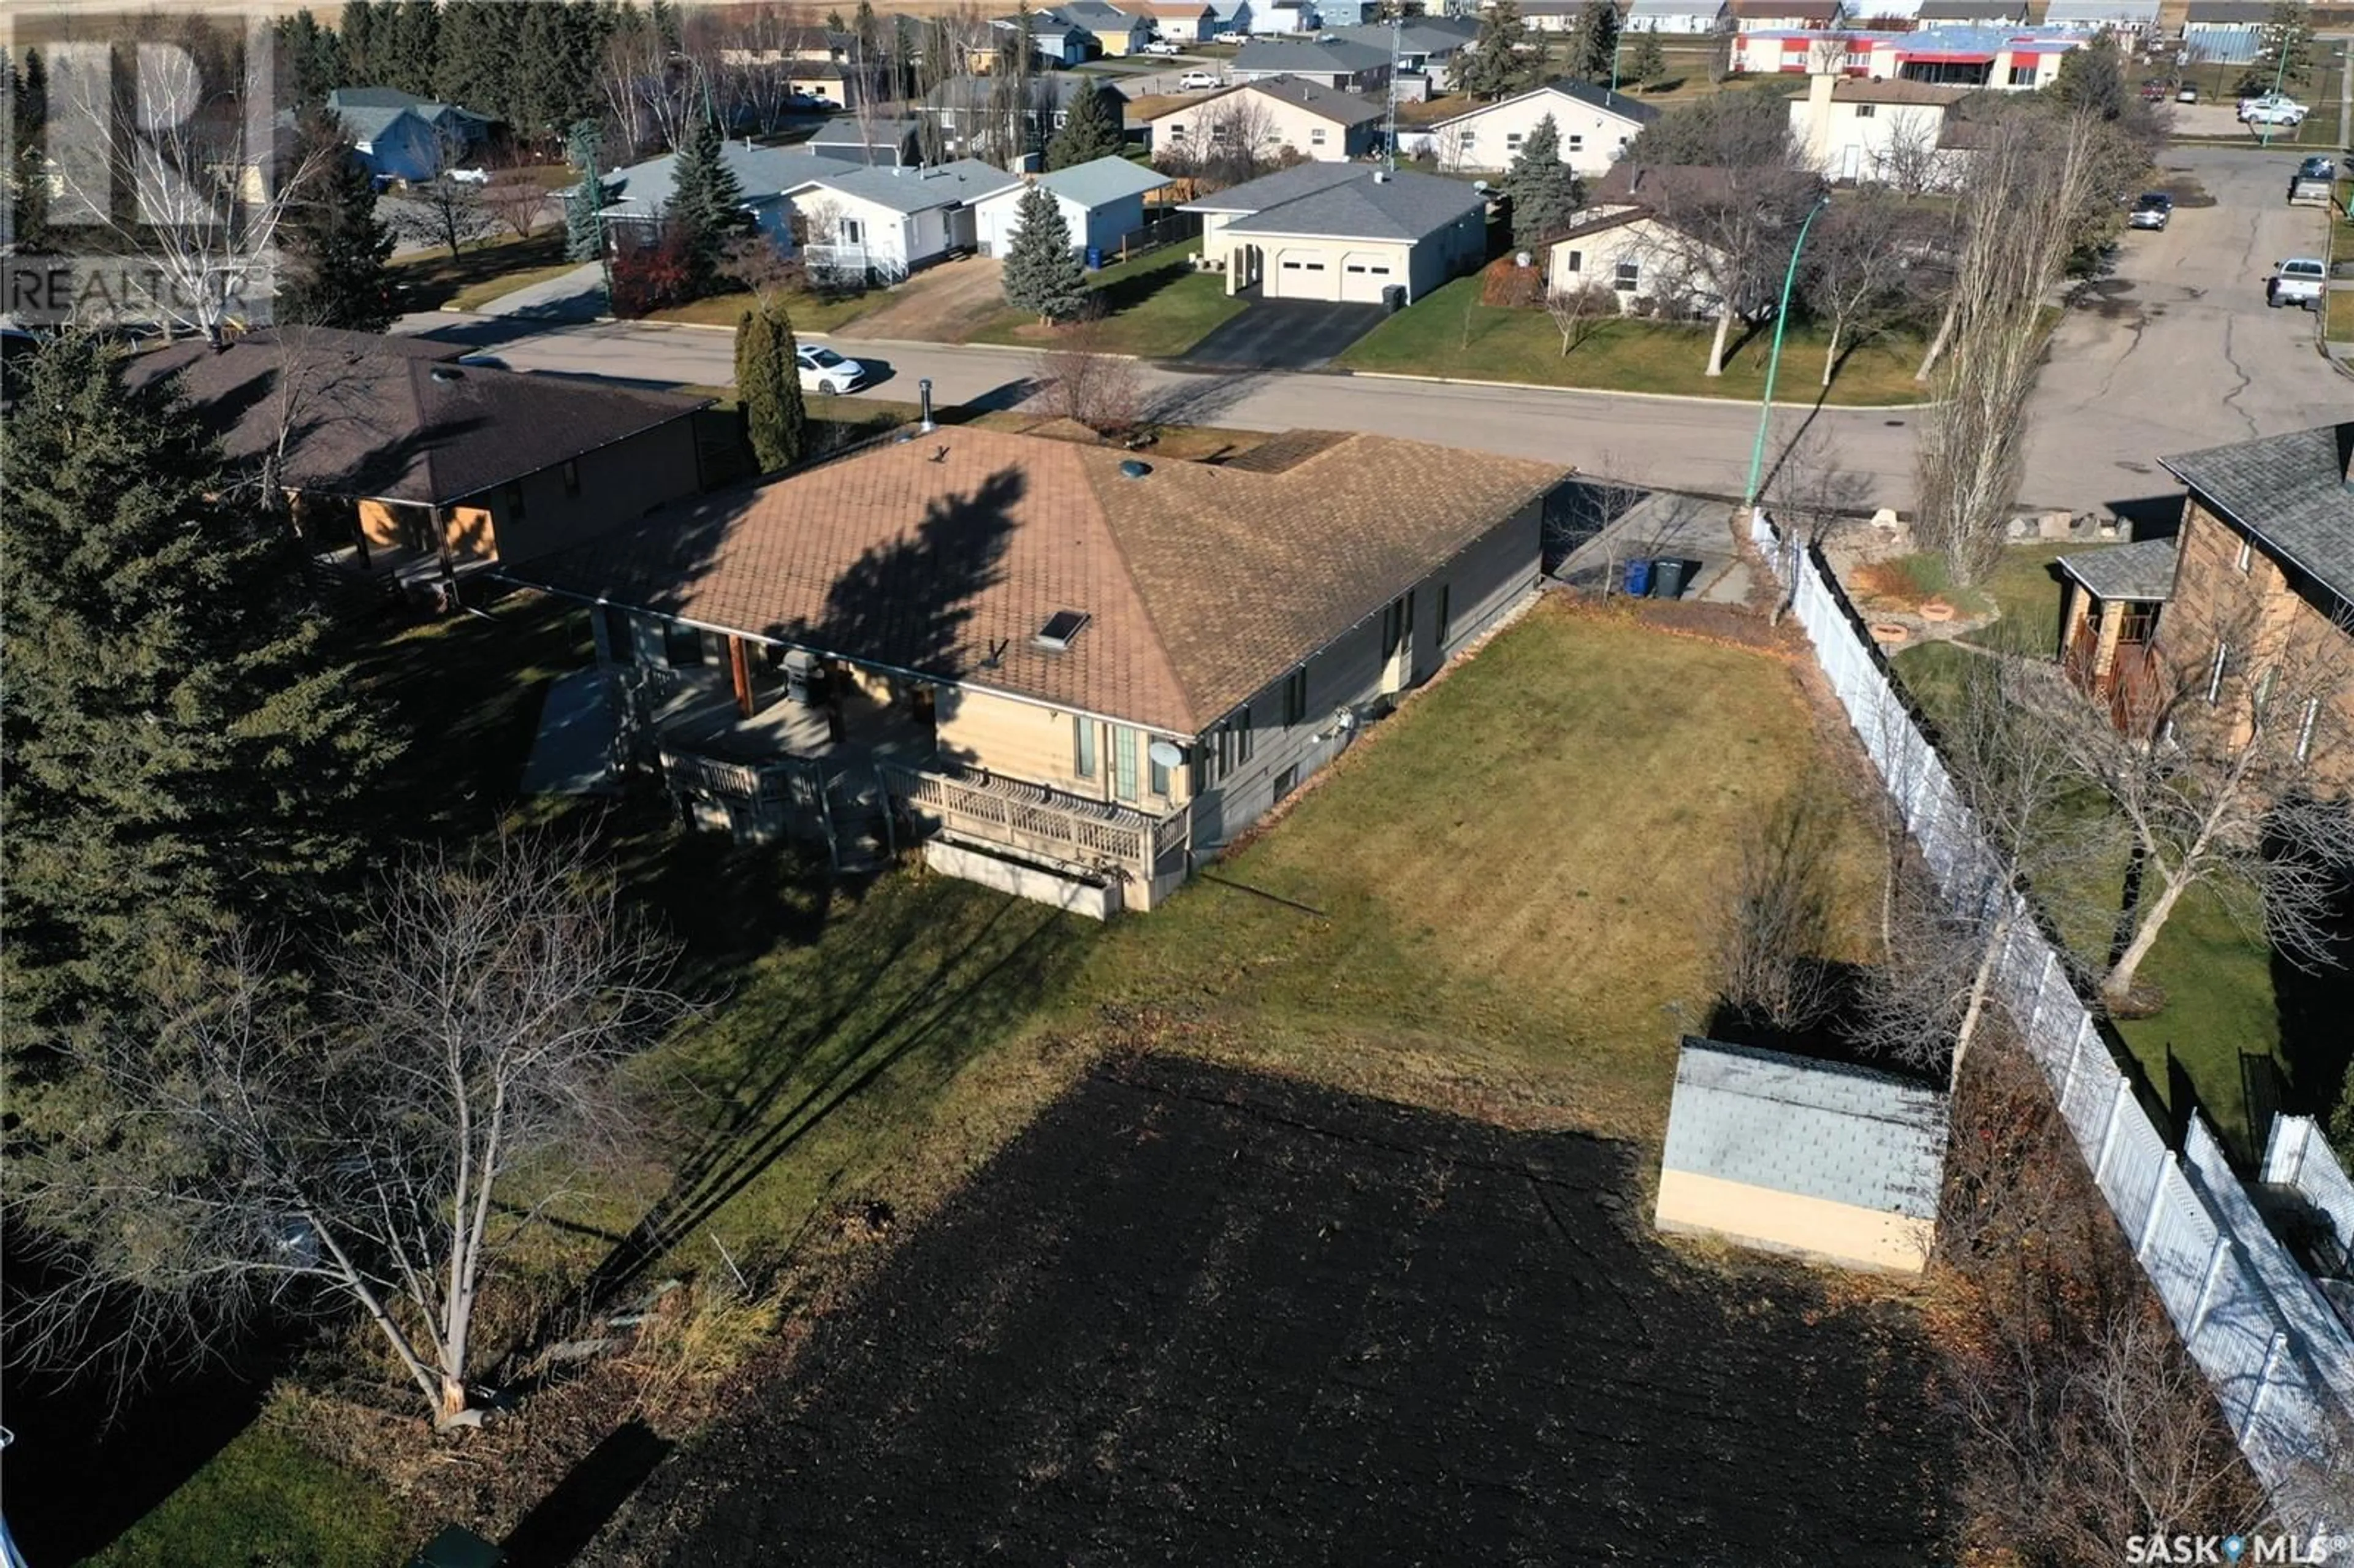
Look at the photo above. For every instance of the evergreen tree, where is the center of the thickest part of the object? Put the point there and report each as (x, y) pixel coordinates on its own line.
(310, 57)
(1646, 61)
(334, 249)
(1593, 41)
(706, 204)
(2092, 80)
(554, 79)
(413, 44)
(1091, 130)
(25, 180)
(584, 230)
(2286, 55)
(1042, 275)
(179, 744)
(1493, 65)
(477, 56)
(768, 387)
(363, 47)
(1544, 192)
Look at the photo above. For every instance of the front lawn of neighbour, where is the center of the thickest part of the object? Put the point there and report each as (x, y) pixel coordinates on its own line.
(2340, 322)
(1449, 333)
(431, 281)
(808, 312)
(1155, 306)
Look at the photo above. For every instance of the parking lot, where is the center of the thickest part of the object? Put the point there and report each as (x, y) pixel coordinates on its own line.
(2176, 350)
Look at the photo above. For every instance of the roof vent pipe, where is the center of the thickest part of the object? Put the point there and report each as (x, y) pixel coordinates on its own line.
(924, 397)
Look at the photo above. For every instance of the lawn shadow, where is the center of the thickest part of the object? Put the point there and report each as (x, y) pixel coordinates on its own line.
(1128, 292)
(2314, 1002)
(562, 1524)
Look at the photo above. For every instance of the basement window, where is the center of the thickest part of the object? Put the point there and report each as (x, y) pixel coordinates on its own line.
(1060, 628)
(2247, 556)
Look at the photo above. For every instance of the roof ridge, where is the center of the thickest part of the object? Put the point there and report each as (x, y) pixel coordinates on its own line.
(1157, 639)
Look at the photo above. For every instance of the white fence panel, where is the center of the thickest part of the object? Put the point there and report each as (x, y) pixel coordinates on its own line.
(2299, 1158)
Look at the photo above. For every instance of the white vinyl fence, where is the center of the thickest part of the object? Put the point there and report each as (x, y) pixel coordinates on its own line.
(2281, 1362)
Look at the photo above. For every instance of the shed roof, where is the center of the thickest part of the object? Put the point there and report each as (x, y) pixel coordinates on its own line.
(2290, 491)
(1817, 1129)
(945, 553)
(2141, 572)
(1102, 180)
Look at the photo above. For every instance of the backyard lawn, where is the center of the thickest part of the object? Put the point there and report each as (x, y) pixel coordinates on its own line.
(431, 281)
(265, 1498)
(1155, 306)
(1450, 333)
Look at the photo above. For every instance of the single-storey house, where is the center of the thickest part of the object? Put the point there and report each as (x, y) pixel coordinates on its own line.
(2258, 579)
(1102, 203)
(884, 222)
(638, 196)
(1769, 15)
(1813, 1159)
(394, 144)
(1850, 128)
(2225, 32)
(1593, 123)
(1550, 15)
(1234, 16)
(1182, 21)
(460, 129)
(1619, 241)
(1342, 232)
(1977, 13)
(965, 108)
(856, 140)
(389, 444)
(1319, 122)
(1425, 46)
(1110, 29)
(1688, 16)
(2129, 20)
(1054, 40)
(1063, 671)
(1281, 18)
(1335, 62)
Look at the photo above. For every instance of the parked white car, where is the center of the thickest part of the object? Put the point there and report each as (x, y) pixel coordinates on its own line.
(2301, 281)
(1196, 81)
(2272, 110)
(1163, 47)
(471, 176)
(827, 373)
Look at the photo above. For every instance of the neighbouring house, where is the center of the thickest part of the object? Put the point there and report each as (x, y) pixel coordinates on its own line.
(1897, 132)
(1999, 60)
(395, 143)
(460, 131)
(1282, 18)
(1813, 1159)
(2263, 566)
(1067, 672)
(1973, 13)
(1110, 29)
(1102, 203)
(637, 197)
(2130, 21)
(881, 223)
(1318, 123)
(1771, 15)
(1678, 16)
(1335, 62)
(389, 445)
(1054, 40)
(856, 140)
(1885, 15)
(1550, 15)
(1234, 16)
(1620, 241)
(2225, 32)
(1425, 46)
(1342, 232)
(970, 115)
(1181, 23)
(792, 43)
(1595, 126)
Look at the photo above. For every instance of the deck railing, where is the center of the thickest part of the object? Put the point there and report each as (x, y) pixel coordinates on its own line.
(1033, 818)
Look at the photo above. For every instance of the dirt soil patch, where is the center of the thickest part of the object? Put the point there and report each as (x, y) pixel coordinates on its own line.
(940, 304)
(1194, 1315)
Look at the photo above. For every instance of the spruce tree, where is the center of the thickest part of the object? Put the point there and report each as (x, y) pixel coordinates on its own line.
(1042, 275)
(415, 42)
(180, 746)
(1091, 130)
(1544, 190)
(768, 387)
(584, 230)
(26, 179)
(1492, 66)
(364, 46)
(1593, 41)
(1646, 61)
(706, 204)
(334, 248)
(310, 57)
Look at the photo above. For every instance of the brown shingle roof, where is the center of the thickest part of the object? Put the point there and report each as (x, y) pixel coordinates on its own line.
(1851, 89)
(388, 418)
(945, 553)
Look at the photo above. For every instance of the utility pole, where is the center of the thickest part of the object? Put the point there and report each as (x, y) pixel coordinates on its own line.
(1774, 358)
(1397, 49)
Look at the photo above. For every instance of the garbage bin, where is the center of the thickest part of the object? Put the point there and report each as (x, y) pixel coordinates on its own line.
(1667, 576)
(1392, 297)
(1638, 578)
(1094, 258)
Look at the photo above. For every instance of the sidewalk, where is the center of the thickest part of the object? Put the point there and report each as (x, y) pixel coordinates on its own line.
(576, 296)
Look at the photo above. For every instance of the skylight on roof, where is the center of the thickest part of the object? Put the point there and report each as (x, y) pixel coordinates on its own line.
(1060, 628)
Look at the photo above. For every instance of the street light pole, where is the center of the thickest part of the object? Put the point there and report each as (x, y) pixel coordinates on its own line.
(1774, 357)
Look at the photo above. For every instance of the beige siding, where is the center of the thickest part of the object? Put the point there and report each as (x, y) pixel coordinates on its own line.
(1662, 272)
(1787, 1222)
(1028, 740)
(1490, 138)
(1287, 125)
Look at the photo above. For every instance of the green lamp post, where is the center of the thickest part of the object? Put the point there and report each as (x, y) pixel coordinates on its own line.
(1774, 357)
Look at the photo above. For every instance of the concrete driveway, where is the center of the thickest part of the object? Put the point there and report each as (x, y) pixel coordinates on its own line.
(1282, 335)
(2176, 350)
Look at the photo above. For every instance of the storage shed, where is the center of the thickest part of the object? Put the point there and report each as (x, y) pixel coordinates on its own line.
(1815, 1159)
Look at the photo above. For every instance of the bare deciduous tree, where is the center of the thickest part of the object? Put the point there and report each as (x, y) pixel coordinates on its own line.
(755, 261)
(1774, 940)
(375, 1147)
(1578, 313)
(1855, 268)
(519, 203)
(1100, 390)
(446, 212)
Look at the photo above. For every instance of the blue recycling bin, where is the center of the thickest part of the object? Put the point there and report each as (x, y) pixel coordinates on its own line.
(1638, 582)
(1094, 258)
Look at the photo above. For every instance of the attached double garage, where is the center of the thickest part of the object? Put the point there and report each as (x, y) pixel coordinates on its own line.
(1313, 272)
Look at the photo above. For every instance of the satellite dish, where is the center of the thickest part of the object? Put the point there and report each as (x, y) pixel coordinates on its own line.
(1524, 260)
(1164, 754)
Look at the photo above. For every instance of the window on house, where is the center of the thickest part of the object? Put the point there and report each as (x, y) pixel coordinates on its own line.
(1575, 142)
(1177, 131)
(1396, 621)
(2305, 728)
(621, 645)
(2215, 670)
(2022, 76)
(1629, 277)
(1576, 263)
(681, 645)
(1468, 138)
(1513, 141)
(2247, 556)
(1286, 782)
(1158, 775)
(853, 232)
(1865, 110)
(1446, 610)
(571, 478)
(513, 495)
(1294, 697)
(1316, 137)
(1123, 763)
(1083, 747)
(1238, 729)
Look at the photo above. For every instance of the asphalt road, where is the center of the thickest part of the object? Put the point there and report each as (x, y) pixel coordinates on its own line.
(2175, 352)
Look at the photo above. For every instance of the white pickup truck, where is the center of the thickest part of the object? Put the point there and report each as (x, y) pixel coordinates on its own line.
(2301, 281)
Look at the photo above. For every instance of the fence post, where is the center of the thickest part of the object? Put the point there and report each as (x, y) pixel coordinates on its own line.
(2278, 1348)
(2207, 1289)
(2043, 980)
(2109, 1132)
(2157, 1212)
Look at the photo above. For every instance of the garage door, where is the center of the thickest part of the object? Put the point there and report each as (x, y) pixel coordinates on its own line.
(1300, 275)
(1365, 273)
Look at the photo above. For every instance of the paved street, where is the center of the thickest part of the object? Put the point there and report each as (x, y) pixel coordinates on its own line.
(2176, 351)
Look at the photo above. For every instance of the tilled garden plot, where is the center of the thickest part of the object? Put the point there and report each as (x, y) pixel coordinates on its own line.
(1198, 1316)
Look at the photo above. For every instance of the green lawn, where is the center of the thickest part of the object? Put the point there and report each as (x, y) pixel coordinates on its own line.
(808, 311)
(1155, 306)
(264, 1500)
(481, 272)
(1495, 343)
(2340, 328)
